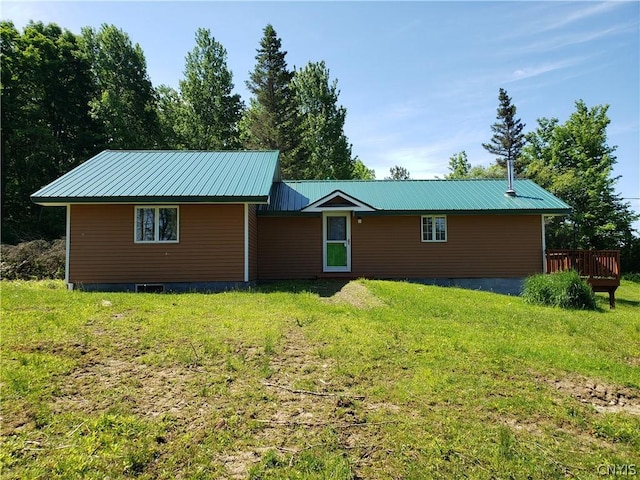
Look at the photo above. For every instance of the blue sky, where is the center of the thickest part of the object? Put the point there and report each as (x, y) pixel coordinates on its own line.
(419, 80)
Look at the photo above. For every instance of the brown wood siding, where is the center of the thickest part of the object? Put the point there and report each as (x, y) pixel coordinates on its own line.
(103, 250)
(289, 247)
(477, 246)
(253, 243)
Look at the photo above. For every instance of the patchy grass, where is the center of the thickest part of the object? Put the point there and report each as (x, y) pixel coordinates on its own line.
(366, 379)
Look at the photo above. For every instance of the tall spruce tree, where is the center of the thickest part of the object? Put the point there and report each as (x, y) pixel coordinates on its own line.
(212, 112)
(323, 142)
(271, 122)
(508, 139)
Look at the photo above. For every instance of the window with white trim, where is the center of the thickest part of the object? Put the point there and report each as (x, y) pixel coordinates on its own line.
(156, 224)
(434, 228)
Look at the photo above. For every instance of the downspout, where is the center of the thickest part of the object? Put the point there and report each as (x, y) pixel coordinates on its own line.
(67, 249)
(544, 246)
(246, 242)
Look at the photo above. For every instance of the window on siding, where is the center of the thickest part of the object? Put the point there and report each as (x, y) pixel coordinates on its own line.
(156, 224)
(434, 229)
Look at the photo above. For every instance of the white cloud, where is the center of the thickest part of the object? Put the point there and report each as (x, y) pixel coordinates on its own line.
(536, 70)
(544, 17)
(587, 11)
(550, 43)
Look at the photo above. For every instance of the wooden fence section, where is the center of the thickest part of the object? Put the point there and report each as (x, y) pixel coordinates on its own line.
(600, 268)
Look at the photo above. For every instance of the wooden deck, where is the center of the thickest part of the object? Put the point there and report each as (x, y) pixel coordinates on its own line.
(600, 268)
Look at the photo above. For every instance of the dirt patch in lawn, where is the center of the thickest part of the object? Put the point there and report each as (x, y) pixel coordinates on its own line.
(604, 397)
(356, 294)
(299, 403)
(145, 390)
(310, 407)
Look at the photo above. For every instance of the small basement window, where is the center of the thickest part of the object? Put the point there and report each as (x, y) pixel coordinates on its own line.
(149, 288)
(156, 224)
(434, 228)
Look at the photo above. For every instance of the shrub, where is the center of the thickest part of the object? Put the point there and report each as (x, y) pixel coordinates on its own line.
(560, 289)
(35, 260)
(631, 277)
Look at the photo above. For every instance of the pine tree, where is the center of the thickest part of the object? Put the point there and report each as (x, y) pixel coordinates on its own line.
(271, 121)
(507, 140)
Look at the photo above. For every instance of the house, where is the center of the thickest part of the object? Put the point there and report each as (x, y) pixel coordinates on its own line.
(180, 220)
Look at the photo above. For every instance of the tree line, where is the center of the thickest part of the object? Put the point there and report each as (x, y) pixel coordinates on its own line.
(66, 97)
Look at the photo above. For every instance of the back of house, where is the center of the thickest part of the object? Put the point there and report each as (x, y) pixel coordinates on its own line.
(183, 220)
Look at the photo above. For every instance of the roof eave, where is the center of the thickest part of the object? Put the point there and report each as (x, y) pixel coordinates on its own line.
(55, 201)
(524, 211)
(299, 213)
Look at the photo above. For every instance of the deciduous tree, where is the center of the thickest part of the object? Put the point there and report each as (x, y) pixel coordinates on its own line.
(125, 101)
(46, 128)
(212, 110)
(326, 149)
(172, 117)
(459, 166)
(574, 161)
(398, 173)
(362, 172)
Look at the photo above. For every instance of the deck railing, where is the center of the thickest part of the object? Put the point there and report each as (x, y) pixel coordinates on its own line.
(600, 268)
(588, 263)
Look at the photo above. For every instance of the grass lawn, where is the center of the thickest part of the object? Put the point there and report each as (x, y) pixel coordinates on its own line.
(368, 379)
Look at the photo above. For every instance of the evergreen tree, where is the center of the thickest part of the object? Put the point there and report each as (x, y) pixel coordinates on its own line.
(125, 101)
(574, 162)
(211, 111)
(507, 140)
(323, 142)
(271, 121)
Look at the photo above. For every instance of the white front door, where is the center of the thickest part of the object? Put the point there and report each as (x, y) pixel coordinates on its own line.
(336, 245)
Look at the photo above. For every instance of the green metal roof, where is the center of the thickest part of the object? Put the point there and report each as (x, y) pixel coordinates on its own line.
(166, 176)
(435, 196)
(183, 176)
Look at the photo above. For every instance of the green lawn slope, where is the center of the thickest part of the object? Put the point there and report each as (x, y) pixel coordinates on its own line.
(366, 379)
